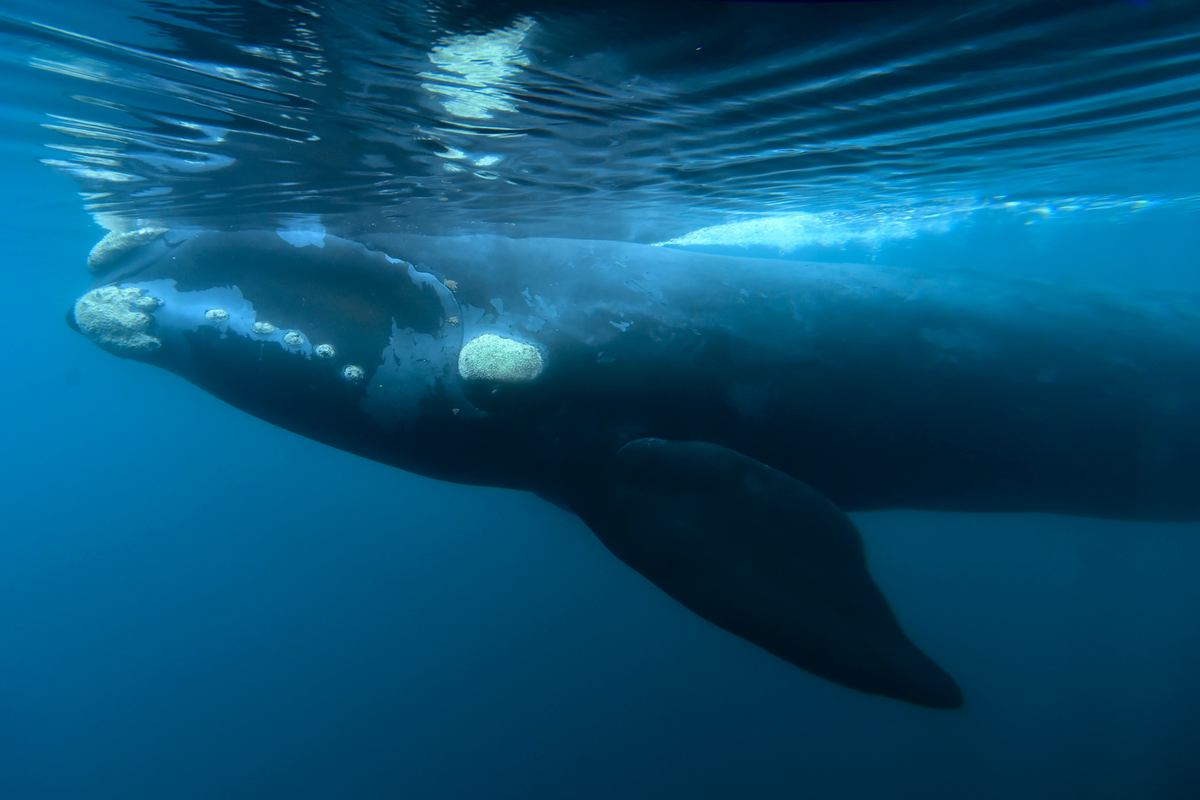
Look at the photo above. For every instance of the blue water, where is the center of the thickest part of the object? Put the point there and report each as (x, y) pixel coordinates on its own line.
(194, 604)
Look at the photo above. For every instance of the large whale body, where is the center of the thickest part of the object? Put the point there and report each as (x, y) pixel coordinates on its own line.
(710, 418)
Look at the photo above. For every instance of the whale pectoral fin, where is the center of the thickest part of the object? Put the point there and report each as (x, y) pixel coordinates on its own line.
(763, 556)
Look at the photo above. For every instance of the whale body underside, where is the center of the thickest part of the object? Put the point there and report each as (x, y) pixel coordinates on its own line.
(710, 418)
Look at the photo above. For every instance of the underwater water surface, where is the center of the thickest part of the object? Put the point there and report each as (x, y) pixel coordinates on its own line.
(195, 604)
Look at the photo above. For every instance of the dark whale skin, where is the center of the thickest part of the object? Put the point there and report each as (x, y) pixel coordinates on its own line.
(710, 418)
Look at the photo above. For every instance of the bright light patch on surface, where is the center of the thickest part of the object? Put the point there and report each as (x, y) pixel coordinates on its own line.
(474, 71)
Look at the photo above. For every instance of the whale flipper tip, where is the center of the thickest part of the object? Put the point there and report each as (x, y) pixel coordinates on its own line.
(764, 556)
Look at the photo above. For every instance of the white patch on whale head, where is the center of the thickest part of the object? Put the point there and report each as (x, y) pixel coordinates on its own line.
(115, 245)
(116, 319)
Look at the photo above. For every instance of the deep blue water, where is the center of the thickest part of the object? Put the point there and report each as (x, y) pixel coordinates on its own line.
(194, 604)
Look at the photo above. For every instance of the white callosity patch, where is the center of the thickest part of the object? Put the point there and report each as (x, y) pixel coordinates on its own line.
(294, 338)
(494, 358)
(115, 245)
(116, 318)
(263, 328)
(217, 315)
(325, 351)
(353, 373)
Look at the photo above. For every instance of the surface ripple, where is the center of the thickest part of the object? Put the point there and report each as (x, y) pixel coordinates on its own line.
(635, 122)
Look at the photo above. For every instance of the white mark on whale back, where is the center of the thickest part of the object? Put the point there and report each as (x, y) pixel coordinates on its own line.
(444, 292)
(536, 301)
(413, 363)
(790, 232)
(221, 307)
(303, 232)
(303, 238)
(506, 323)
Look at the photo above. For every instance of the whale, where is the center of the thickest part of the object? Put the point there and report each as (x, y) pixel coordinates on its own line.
(712, 419)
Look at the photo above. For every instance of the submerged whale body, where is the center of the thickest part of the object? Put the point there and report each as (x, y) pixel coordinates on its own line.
(710, 418)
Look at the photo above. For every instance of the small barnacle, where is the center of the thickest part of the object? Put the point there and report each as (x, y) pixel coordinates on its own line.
(217, 315)
(455, 410)
(452, 320)
(263, 327)
(294, 338)
(352, 373)
(452, 285)
(325, 351)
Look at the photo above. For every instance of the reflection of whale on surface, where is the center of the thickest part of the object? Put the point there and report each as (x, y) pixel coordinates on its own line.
(648, 390)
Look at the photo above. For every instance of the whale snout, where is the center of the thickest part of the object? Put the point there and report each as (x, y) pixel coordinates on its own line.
(117, 319)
